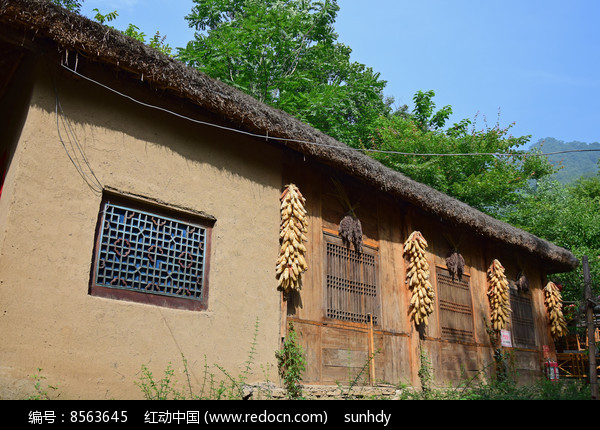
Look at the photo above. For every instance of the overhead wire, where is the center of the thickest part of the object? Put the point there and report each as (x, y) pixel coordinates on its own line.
(284, 139)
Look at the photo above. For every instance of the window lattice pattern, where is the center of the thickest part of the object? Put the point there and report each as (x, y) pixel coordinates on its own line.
(351, 283)
(148, 253)
(523, 329)
(456, 312)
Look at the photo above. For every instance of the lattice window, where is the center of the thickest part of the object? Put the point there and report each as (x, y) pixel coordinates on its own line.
(522, 321)
(350, 282)
(456, 311)
(161, 258)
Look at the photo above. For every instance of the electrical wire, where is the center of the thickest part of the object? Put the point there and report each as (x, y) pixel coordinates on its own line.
(267, 137)
(80, 165)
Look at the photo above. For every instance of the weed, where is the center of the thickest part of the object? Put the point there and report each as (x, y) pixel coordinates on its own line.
(158, 390)
(425, 372)
(353, 381)
(211, 388)
(41, 390)
(291, 363)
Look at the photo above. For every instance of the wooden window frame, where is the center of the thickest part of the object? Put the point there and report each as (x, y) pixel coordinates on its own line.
(522, 320)
(347, 293)
(146, 295)
(462, 330)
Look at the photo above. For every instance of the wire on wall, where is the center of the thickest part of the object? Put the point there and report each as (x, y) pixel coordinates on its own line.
(74, 149)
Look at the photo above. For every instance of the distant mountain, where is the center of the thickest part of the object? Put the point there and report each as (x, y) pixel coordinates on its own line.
(573, 164)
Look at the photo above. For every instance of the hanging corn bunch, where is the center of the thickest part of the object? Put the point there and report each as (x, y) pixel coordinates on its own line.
(498, 296)
(553, 301)
(291, 262)
(417, 278)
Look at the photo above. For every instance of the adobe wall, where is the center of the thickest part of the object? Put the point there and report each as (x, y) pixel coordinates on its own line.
(93, 348)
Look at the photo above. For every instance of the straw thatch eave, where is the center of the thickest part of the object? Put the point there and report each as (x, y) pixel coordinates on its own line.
(41, 21)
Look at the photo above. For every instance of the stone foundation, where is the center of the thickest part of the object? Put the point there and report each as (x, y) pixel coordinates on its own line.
(270, 391)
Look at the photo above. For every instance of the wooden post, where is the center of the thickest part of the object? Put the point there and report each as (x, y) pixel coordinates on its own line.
(589, 313)
(283, 320)
(371, 351)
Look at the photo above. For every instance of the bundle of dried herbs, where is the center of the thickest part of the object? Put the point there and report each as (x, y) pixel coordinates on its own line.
(522, 283)
(456, 264)
(350, 230)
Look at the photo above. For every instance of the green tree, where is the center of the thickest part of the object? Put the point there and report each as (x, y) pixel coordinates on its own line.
(488, 178)
(423, 112)
(157, 41)
(286, 54)
(72, 5)
(567, 215)
(104, 18)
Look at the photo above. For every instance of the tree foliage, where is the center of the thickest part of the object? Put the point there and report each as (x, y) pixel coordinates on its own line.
(157, 41)
(286, 54)
(423, 113)
(488, 173)
(567, 215)
(72, 5)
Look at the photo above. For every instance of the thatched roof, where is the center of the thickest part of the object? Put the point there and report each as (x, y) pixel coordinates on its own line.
(41, 21)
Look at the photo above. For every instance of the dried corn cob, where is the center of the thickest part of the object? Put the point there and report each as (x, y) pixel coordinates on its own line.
(553, 301)
(498, 296)
(417, 278)
(291, 263)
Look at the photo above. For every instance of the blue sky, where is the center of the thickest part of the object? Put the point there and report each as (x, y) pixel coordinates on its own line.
(530, 62)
